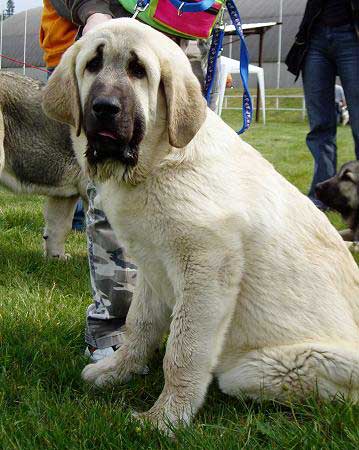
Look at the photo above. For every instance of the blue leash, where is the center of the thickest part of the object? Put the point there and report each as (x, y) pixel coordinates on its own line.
(185, 6)
(181, 6)
(247, 108)
(213, 55)
(215, 50)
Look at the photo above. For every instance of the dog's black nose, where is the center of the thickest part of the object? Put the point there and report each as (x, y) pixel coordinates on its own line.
(318, 187)
(106, 107)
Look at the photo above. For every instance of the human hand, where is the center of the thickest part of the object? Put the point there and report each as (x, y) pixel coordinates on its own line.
(95, 19)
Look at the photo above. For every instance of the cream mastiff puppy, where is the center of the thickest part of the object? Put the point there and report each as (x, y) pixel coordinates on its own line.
(253, 284)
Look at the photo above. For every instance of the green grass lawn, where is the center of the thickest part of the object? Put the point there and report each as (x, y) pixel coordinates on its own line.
(43, 402)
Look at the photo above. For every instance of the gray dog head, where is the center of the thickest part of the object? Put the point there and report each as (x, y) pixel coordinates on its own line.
(341, 192)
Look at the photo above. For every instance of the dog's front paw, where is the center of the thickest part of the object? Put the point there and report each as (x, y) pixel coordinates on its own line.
(166, 416)
(156, 420)
(106, 372)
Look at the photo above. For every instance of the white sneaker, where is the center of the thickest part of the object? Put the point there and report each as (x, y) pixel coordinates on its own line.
(96, 354)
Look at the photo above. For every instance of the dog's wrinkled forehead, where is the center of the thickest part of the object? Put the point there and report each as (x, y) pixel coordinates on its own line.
(121, 37)
(113, 47)
(105, 48)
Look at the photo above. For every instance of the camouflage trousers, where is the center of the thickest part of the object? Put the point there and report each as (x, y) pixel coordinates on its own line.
(112, 278)
(112, 275)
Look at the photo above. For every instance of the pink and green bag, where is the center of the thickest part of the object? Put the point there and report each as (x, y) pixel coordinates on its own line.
(191, 19)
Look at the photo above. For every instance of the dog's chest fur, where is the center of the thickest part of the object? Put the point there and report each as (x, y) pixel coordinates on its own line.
(138, 222)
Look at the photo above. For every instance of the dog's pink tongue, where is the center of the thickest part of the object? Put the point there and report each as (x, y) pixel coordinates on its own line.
(108, 134)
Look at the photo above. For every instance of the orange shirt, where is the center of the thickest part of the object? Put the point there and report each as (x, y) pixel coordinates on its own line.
(56, 35)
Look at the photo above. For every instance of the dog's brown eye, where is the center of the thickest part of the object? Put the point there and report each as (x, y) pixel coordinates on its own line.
(95, 65)
(136, 69)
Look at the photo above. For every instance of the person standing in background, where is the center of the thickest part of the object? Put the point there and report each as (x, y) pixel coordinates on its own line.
(327, 45)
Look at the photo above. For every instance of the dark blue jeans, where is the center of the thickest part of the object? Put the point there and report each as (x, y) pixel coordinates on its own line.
(332, 51)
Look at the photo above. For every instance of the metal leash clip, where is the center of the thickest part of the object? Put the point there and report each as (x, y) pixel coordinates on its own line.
(179, 11)
(221, 24)
(139, 8)
(220, 20)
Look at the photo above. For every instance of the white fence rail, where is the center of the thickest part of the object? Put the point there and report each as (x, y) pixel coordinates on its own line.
(278, 107)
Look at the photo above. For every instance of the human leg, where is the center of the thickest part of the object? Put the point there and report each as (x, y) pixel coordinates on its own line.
(319, 80)
(112, 279)
(78, 222)
(347, 56)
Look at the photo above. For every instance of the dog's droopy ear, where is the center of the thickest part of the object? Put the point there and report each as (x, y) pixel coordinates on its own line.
(351, 176)
(61, 100)
(186, 106)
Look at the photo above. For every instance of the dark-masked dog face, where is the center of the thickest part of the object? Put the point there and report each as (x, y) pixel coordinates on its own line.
(113, 119)
(132, 92)
(341, 192)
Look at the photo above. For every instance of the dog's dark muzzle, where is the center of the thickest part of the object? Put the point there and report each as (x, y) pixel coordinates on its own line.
(320, 188)
(328, 192)
(114, 126)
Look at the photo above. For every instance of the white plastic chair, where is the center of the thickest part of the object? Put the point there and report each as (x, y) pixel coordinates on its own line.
(229, 66)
